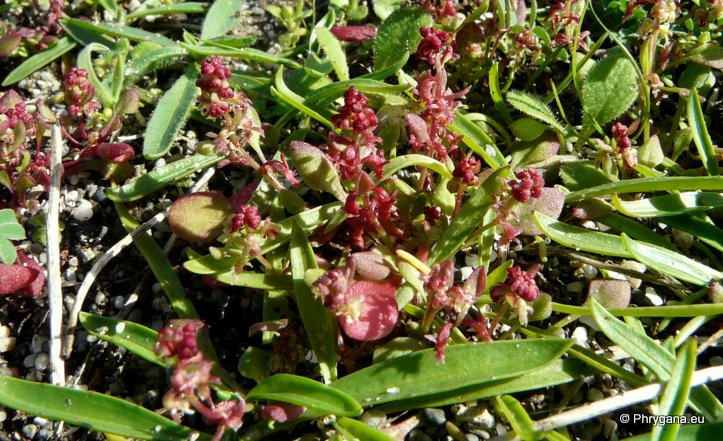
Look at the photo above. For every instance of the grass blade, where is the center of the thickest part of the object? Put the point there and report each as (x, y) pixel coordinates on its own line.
(39, 61)
(221, 18)
(317, 321)
(93, 410)
(297, 102)
(418, 376)
(120, 31)
(170, 115)
(675, 394)
(701, 135)
(134, 337)
(305, 392)
(477, 140)
(670, 204)
(666, 183)
(160, 177)
(580, 238)
(178, 8)
(333, 50)
(411, 160)
(670, 262)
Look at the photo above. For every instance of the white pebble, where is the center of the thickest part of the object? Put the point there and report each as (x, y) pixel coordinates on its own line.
(653, 297)
(29, 361)
(3, 416)
(36, 344)
(100, 299)
(41, 361)
(580, 336)
(466, 272)
(636, 266)
(4, 331)
(7, 344)
(84, 211)
(589, 271)
(471, 260)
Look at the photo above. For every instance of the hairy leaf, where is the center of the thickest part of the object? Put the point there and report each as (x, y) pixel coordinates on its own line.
(534, 107)
(399, 36)
(334, 52)
(609, 89)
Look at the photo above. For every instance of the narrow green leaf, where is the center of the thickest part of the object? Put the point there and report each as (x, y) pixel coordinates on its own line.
(84, 62)
(469, 217)
(362, 431)
(647, 185)
(294, 100)
(39, 61)
(534, 107)
(609, 89)
(670, 262)
(581, 239)
(675, 394)
(411, 160)
(258, 281)
(701, 135)
(518, 418)
(477, 140)
(314, 315)
(84, 36)
(153, 60)
(255, 364)
(398, 36)
(418, 375)
(111, 6)
(704, 231)
(160, 177)
(635, 230)
(654, 356)
(333, 50)
(159, 265)
(682, 310)
(221, 18)
(552, 374)
(92, 410)
(9, 226)
(384, 8)
(170, 115)
(121, 31)
(134, 337)
(178, 8)
(669, 205)
(330, 92)
(245, 53)
(690, 432)
(305, 392)
(496, 93)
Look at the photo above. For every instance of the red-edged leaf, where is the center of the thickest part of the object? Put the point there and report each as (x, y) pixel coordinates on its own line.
(115, 152)
(354, 34)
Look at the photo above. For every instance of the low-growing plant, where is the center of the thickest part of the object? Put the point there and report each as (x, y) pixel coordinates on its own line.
(358, 169)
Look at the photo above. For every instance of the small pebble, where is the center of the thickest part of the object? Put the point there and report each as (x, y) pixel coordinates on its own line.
(4, 331)
(36, 344)
(84, 211)
(471, 437)
(374, 418)
(589, 272)
(471, 260)
(30, 430)
(100, 299)
(118, 302)
(99, 195)
(466, 272)
(3, 416)
(435, 417)
(653, 297)
(580, 336)
(29, 361)
(479, 416)
(595, 394)
(635, 266)
(418, 435)
(501, 429)
(73, 261)
(7, 344)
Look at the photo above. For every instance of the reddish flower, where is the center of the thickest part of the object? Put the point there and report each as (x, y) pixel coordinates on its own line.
(620, 133)
(282, 412)
(79, 93)
(435, 45)
(519, 284)
(441, 341)
(467, 169)
(179, 337)
(247, 215)
(271, 167)
(528, 185)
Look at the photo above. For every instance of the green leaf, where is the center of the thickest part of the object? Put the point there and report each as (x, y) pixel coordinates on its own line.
(609, 89)
(134, 337)
(330, 92)
(518, 417)
(639, 185)
(412, 160)
(10, 229)
(362, 431)
(469, 217)
(102, 92)
(177, 8)
(160, 177)
(153, 60)
(477, 140)
(398, 36)
(254, 364)
(39, 60)
(159, 265)
(552, 374)
(651, 354)
(333, 50)
(221, 18)
(534, 107)
(246, 53)
(581, 239)
(297, 102)
(419, 376)
(317, 321)
(701, 136)
(581, 175)
(258, 281)
(111, 6)
(384, 8)
(690, 432)
(670, 262)
(170, 115)
(669, 205)
(704, 231)
(92, 410)
(305, 392)
(675, 394)
(635, 229)
(118, 30)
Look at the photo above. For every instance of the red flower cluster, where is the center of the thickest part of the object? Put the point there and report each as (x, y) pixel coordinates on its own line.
(216, 94)
(436, 46)
(528, 185)
(467, 170)
(79, 93)
(620, 134)
(247, 215)
(440, 9)
(371, 209)
(191, 379)
(518, 285)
